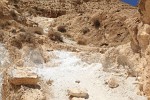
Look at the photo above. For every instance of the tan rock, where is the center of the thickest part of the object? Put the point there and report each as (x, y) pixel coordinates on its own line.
(143, 36)
(74, 98)
(23, 76)
(147, 28)
(144, 10)
(37, 30)
(33, 94)
(78, 92)
(112, 82)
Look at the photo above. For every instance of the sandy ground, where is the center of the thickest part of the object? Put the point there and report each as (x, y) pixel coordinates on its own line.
(69, 68)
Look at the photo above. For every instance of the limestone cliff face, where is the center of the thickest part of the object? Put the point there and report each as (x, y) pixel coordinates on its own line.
(140, 31)
(3, 8)
(143, 38)
(144, 9)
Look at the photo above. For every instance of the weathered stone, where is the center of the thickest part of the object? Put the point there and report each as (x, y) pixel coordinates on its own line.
(147, 28)
(37, 30)
(78, 98)
(143, 37)
(112, 82)
(77, 81)
(78, 92)
(23, 76)
(144, 10)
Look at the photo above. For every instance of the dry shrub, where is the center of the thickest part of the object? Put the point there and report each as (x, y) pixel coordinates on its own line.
(14, 14)
(25, 37)
(82, 41)
(55, 36)
(85, 30)
(22, 36)
(16, 43)
(1, 36)
(29, 38)
(61, 28)
(4, 24)
(19, 39)
(97, 18)
(96, 23)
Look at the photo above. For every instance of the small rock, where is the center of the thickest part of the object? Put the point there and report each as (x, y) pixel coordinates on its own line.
(49, 82)
(77, 81)
(76, 92)
(112, 83)
(74, 98)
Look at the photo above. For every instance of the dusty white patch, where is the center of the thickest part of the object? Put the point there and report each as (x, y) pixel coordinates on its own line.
(91, 77)
(4, 59)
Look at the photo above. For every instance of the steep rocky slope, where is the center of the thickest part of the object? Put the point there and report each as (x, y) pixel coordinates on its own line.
(143, 42)
(98, 27)
(106, 32)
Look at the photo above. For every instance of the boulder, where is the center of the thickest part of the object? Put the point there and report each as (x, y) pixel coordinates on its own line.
(78, 92)
(23, 76)
(112, 82)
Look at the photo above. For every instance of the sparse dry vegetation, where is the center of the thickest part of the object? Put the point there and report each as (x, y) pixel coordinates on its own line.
(61, 28)
(85, 30)
(40, 33)
(55, 36)
(82, 41)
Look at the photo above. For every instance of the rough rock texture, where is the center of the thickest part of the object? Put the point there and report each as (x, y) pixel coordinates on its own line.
(141, 43)
(118, 60)
(144, 9)
(113, 82)
(143, 36)
(24, 76)
(78, 92)
(25, 87)
(78, 98)
(56, 8)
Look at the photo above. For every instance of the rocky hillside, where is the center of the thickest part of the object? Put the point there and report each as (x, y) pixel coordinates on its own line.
(142, 38)
(107, 32)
